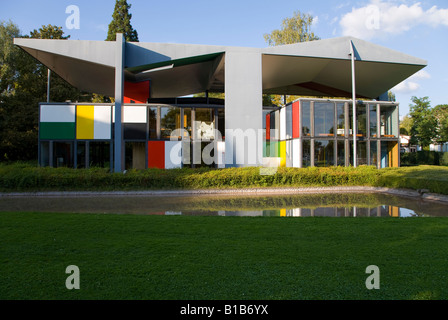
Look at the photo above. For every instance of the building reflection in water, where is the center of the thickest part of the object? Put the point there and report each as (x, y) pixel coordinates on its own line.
(379, 211)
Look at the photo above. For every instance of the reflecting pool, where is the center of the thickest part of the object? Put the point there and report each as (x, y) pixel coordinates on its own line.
(302, 205)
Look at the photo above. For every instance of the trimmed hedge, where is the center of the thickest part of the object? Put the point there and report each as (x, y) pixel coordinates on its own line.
(22, 177)
(432, 158)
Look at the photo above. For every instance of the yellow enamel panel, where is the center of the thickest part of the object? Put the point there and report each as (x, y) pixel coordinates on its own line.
(84, 122)
(394, 211)
(393, 154)
(282, 212)
(282, 153)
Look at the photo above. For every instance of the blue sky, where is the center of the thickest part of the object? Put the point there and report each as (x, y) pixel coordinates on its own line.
(417, 28)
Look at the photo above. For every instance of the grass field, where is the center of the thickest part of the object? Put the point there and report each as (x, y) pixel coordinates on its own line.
(186, 257)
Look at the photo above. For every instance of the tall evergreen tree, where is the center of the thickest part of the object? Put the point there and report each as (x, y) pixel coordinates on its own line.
(121, 23)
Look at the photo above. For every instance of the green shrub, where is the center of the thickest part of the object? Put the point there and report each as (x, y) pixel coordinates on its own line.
(444, 159)
(431, 158)
(24, 177)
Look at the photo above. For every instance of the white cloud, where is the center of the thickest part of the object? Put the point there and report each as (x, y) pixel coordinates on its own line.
(406, 87)
(381, 18)
(411, 84)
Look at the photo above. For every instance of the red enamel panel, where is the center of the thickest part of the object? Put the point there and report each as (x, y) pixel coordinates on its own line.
(136, 92)
(296, 120)
(156, 154)
(268, 127)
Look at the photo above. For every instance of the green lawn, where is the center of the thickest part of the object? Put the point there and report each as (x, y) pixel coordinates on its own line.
(187, 257)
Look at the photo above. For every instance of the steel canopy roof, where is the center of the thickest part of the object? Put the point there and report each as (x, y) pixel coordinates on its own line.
(317, 68)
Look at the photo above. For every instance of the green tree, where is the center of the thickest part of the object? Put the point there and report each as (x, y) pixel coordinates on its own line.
(8, 55)
(48, 32)
(23, 85)
(406, 125)
(424, 124)
(440, 112)
(121, 23)
(391, 96)
(294, 30)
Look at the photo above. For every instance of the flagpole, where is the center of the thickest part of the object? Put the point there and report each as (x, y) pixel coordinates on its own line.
(355, 131)
(48, 84)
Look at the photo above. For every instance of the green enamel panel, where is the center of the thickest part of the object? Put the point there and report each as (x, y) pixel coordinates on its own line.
(265, 148)
(57, 130)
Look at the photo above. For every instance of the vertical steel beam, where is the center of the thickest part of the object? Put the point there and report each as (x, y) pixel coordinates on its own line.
(355, 131)
(119, 81)
(48, 84)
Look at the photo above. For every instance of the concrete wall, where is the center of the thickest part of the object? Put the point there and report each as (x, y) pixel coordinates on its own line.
(243, 109)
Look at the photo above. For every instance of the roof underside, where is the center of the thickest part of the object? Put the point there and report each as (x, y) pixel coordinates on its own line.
(318, 68)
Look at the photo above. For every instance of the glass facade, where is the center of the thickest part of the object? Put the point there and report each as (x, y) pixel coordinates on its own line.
(147, 133)
(327, 133)
(323, 153)
(309, 132)
(306, 118)
(169, 121)
(340, 118)
(323, 119)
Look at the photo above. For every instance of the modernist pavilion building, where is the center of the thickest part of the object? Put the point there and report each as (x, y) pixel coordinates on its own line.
(154, 121)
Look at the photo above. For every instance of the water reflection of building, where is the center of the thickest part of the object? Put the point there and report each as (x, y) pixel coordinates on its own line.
(379, 211)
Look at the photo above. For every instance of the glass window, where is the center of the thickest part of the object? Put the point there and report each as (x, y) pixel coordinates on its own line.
(372, 120)
(44, 154)
(361, 120)
(341, 153)
(323, 119)
(186, 123)
(221, 122)
(99, 154)
(169, 121)
(389, 121)
(204, 123)
(361, 150)
(373, 153)
(340, 109)
(289, 121)
(306, 153)
(152, 122)
(306, 118)
(323, 153)
(81, 154)
(63, 154)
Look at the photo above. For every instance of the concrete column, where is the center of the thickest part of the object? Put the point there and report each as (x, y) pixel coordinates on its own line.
(243, 109)
(119, 82)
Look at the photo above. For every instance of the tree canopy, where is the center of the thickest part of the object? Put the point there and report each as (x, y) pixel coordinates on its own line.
(23, 84)
(424, 125)
(441, 115)
(294, 30)
(121, 23)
